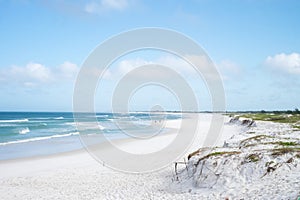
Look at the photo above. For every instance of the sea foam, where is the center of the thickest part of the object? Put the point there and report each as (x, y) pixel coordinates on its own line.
(14, 120)
(39, 138)
(24, 131)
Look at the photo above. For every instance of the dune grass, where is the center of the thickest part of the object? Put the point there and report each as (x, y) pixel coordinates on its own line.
(285, 150)
(274, 117)
(253, 158)
(287, 143)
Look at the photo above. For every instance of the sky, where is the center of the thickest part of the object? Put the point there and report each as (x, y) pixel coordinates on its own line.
(254, 44)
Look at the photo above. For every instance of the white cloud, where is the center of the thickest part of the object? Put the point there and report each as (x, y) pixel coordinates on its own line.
(97, 72)
(32, 71)
(202, 62)
(229, 69)
(125, 66)
(91, 7)
(180, 65)
(105, 5)
(68, 70)
(289, 63)
(115, 4)
(29, 84)
(34, 74)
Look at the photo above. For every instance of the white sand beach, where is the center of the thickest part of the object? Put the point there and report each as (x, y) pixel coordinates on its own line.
(76, 175)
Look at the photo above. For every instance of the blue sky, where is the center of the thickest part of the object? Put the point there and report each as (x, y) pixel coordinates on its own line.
(254, 43)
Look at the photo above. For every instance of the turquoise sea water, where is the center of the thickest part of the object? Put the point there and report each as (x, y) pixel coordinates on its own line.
(24, 134)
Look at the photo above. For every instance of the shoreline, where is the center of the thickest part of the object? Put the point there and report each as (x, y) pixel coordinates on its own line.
(124, 143)
(82, 148)
(47, 145)
(76, 174)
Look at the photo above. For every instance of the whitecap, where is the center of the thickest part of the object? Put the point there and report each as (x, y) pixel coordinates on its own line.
(39, 138)
(101, 127)
(24, 131)
(70, 123)
(14, 120)
(102, 116)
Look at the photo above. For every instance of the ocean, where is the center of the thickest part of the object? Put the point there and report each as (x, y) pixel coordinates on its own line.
(26, 134)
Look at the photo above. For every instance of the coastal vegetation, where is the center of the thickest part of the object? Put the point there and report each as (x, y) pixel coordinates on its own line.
(288, 116)
(261, 151)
